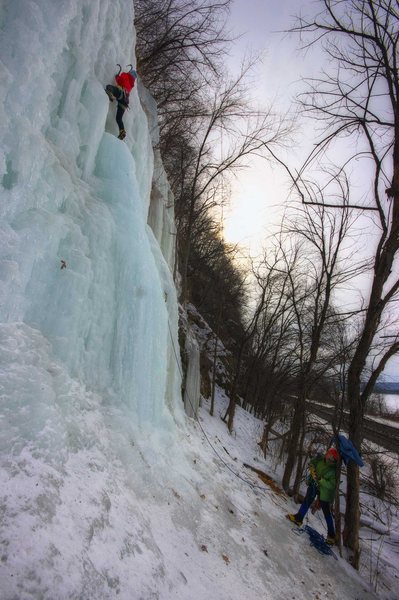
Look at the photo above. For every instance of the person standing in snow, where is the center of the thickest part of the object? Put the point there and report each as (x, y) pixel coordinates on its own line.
(120, 92)
(321, 485)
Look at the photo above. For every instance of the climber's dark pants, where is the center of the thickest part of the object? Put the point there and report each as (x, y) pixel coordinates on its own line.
(120, 98)
(325, 507)
(119, 114)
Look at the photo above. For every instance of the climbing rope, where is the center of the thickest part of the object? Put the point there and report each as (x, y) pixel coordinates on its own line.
(252, 485)
(316, 540)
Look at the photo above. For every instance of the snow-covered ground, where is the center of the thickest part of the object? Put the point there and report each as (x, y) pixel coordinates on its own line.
(177, 517)
(107, 490)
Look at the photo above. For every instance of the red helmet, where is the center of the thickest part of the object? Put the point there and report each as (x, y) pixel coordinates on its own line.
(332, 454)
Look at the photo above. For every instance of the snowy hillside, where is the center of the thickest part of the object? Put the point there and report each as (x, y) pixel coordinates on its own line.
(88, 304)
(107, 489)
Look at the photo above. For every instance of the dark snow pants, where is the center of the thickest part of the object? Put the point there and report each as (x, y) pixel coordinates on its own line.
(122, 106)
(311, 494)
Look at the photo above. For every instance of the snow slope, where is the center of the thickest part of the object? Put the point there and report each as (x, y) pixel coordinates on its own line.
(106, 490)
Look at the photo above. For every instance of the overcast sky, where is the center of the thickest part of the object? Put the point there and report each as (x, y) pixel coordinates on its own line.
(259, 193)
(262, 24)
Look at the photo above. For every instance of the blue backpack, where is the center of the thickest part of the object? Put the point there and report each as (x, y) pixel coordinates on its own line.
(348, 451)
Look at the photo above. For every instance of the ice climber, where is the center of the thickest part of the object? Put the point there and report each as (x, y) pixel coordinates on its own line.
(120, 92)
(321, 485)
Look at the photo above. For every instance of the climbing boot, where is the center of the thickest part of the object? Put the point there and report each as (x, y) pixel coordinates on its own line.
(294, 519)
(330, 540)
(122, 134)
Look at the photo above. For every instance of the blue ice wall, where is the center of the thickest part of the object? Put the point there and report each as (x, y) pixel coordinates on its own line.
(81, 273)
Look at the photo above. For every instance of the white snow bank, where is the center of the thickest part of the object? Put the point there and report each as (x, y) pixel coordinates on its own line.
(102, 495)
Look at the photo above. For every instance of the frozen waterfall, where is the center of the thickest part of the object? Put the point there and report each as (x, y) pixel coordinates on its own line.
(82, 277)
(88, 332)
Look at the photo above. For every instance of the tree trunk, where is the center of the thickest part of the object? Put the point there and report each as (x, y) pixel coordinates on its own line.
(293, 442)
(300, 465)
(231, 409)
(352, 512)
(214, 377)
(265, 437)
(337, 509)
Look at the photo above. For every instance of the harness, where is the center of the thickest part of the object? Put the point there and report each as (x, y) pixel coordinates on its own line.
(123, 98)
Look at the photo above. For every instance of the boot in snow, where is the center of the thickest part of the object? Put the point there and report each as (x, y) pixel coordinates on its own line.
(294, 519)
(330, 540)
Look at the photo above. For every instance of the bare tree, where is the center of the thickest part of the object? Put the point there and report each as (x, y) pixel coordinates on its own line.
(322, 268)
(208, 125)
(219, 287)
(232, 130)
(243, 341)
(270, 361)
(359, 99)
(180, 46)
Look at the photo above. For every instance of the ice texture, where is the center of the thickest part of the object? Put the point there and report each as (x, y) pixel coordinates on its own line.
(79, 263)
(88, 306)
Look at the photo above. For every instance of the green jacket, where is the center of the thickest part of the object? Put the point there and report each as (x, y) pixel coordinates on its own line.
(326, 477)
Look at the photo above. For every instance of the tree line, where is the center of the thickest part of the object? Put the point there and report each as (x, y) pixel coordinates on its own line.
(290, 334)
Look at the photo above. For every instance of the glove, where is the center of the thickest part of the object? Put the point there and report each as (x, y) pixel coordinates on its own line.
(316, 506)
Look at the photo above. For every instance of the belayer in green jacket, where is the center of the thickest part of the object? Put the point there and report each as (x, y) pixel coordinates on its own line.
(321, 484)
